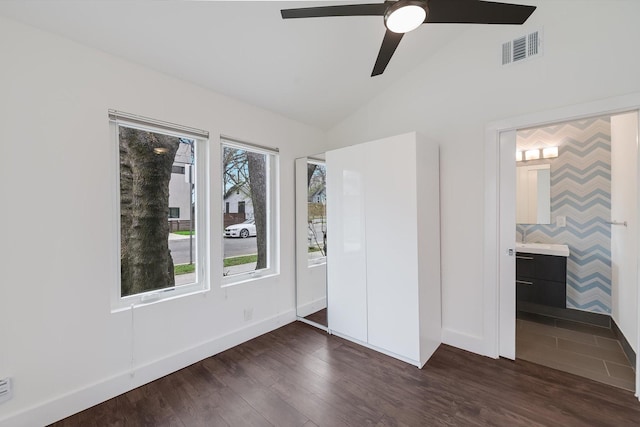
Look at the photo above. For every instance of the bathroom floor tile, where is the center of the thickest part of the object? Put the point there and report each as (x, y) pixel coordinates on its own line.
(537, 318)
(616, 356)
(584, 328)
(608, 343)
(559, 332)
(620, 371)
(537, 339)
(589, 351)
(534, 353)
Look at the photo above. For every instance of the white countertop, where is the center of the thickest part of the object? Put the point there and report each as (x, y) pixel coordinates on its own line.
(543, 248)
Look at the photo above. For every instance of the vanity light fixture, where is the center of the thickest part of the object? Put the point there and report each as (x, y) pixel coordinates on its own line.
(549, 152)
(532, 154)
(405, 15)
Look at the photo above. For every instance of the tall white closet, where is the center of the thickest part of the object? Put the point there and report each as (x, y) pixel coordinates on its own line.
(383, 257)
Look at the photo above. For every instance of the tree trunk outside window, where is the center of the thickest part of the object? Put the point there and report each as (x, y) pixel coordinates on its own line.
(258, 186)
(146, 160)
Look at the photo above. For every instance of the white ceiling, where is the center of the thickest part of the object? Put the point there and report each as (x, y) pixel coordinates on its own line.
(313, 70)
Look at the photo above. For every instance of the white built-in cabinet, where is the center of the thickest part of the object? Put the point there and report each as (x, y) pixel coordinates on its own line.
(383, 256)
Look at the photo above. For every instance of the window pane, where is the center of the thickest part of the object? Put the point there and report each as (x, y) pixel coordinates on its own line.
(317, 210)
(246, 210)
(157, 242)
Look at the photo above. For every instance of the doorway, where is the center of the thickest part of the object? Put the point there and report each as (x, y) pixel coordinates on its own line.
(500, 206)
(573, 179)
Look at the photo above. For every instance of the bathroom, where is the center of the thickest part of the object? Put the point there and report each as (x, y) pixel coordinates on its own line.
(575, 205)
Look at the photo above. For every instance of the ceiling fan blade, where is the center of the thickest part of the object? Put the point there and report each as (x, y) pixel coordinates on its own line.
(477, 12)
(377, 9)
(389, 44)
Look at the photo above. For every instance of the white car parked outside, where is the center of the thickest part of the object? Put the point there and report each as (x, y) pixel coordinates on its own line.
(243, 230)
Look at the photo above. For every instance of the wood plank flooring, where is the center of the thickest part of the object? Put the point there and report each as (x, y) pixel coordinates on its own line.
(300, 376)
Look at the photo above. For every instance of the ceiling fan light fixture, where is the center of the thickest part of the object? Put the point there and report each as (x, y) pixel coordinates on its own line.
(405, 15)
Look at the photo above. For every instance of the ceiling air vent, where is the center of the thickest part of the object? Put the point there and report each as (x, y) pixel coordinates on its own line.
(522, 48)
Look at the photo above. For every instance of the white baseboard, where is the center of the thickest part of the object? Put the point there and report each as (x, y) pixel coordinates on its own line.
(311, 307)
(78, 400)
(379, 350)
(472, 343)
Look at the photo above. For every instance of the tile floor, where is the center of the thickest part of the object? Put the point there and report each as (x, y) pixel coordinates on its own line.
(578, 348)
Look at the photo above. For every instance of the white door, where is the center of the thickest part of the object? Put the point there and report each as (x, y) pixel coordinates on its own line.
(507, 242)
(346, 251)
(624, 245)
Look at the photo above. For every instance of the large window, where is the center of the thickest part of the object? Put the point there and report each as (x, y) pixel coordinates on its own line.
(161, 180)
(250, 215)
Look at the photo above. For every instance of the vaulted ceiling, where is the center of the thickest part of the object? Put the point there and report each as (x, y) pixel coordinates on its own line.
(313, 70)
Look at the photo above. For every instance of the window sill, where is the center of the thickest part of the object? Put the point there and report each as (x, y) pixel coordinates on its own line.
(317, 262)
(252, 276)
(155, 297)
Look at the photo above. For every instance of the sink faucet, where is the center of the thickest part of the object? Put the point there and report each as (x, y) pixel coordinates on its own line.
(524, 234)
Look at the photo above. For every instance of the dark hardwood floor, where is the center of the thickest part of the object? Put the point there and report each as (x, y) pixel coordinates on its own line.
(300, 376)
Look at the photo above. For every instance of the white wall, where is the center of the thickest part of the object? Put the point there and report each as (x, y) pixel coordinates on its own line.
(624, 240)
(59, 341)
(452, 97)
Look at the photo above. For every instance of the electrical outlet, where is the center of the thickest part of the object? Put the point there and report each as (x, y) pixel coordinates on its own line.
(248, 314)
(561, 221)
(6, 390)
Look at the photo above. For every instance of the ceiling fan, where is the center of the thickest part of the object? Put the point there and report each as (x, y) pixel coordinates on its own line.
(403, 16)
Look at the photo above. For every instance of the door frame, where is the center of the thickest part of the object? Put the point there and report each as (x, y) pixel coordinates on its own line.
(500, 312)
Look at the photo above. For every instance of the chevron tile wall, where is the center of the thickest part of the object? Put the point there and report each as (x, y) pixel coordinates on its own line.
(581, 191)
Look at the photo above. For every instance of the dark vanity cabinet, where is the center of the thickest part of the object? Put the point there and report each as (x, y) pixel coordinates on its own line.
(541, 279)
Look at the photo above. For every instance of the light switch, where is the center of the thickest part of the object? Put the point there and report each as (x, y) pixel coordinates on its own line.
(561, 221)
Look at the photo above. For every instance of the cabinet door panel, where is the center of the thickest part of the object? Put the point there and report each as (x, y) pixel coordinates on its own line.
(549, 267)
(546, 267)
(392, 246)
(346, 252)
(540, 291)
(525, 265)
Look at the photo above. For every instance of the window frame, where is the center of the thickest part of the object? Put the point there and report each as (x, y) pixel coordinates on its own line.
(273, 216)
(201, 152)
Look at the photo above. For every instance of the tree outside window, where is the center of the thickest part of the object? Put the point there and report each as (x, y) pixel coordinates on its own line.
(248, 210)
(152, 178)
(317, 210)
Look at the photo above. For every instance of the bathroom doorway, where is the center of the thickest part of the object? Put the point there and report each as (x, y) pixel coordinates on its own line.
(570, 205)
(500, 252)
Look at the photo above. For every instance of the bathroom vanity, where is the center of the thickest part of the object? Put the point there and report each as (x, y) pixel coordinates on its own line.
(541, 274)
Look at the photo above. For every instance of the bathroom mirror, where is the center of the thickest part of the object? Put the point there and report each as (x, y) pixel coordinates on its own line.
(533, 194)
(311, 240)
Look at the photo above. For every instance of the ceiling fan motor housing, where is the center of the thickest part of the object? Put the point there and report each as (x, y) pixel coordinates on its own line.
(395, 7)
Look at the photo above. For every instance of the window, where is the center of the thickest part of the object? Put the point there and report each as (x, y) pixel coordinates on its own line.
(159, 259)
(249, 182)
(317, 211)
